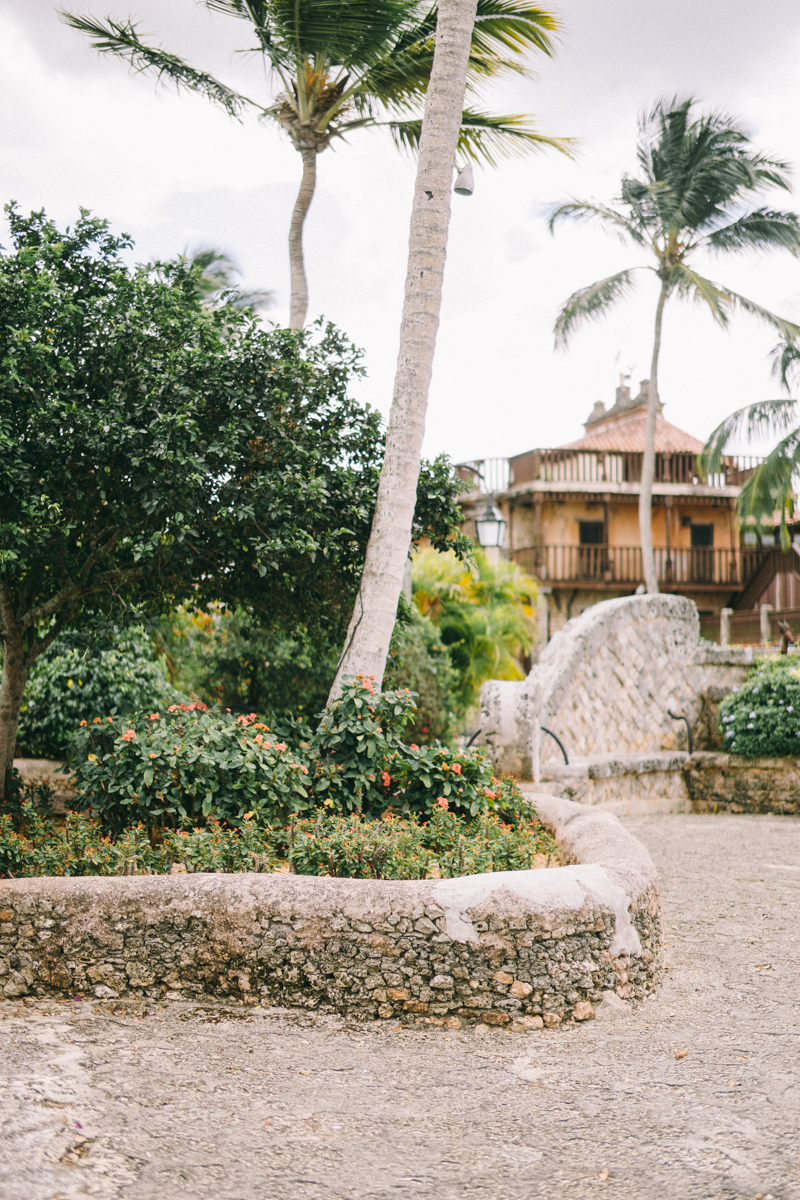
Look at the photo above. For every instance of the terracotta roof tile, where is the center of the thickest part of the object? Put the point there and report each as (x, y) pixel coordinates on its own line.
(626, 432)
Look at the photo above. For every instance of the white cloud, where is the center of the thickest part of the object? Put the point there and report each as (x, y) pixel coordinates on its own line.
(81, 130)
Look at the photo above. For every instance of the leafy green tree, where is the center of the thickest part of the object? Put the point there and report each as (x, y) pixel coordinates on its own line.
(154, 450)
(698, 176)
(340, 67)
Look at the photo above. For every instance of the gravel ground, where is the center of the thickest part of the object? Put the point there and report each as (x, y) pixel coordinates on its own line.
(696, 1095)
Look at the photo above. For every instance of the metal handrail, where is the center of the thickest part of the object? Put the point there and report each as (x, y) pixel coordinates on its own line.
(558, 742)
(687, 723)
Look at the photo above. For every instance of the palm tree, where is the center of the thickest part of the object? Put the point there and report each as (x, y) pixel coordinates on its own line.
(370, 630)
(697, 174)
(217, 283)
(771, 487)
(342, 66)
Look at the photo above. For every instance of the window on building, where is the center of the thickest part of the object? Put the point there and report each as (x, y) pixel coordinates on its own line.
(591, 533)
(702, 536)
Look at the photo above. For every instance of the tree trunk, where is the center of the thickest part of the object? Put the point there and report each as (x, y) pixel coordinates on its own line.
(11, 689)
(371, 625)
(299, 299)
(649, 458)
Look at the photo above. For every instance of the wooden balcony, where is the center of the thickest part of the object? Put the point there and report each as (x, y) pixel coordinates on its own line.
(600, 467)
(604, 567)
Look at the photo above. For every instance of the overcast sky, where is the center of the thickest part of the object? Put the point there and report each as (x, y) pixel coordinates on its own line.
(80, 130)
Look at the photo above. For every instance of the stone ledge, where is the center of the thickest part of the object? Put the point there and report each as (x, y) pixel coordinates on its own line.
(524, 948)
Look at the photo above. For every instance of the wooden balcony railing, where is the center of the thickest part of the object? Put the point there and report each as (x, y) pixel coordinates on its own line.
(623, 565)
(604, 466)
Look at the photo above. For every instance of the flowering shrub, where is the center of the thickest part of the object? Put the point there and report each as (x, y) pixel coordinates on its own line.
(763, 717)
(361, 763)
(185, 764)
(348, 847)
(68, 684)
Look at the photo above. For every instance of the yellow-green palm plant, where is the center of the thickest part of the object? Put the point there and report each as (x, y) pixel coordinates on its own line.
(484, 612)
(697, 175)
(343, 65)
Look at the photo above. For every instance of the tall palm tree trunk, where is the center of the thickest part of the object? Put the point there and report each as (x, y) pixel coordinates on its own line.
(649, 458)
(299, 298)
(372, 623)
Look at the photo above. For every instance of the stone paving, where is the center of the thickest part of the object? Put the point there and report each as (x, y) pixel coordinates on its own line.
(695, 1095)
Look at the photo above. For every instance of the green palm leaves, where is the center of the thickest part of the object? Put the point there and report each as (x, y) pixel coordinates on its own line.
(696, 176)
(341, 65)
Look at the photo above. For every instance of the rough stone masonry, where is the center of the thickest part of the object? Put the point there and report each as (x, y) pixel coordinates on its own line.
(526, 948)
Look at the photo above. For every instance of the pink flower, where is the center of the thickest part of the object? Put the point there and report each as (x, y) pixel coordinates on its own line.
(280, 745)
(387, 779)
(128, 736)
(153, 716)
(304, 770)
(108, 718)
(456, 768)
(440, 800)
(413, 746)
(172, 708)
(258, 738)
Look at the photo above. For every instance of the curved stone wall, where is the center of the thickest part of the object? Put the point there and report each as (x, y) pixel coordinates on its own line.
(605, 684)
(522, 948)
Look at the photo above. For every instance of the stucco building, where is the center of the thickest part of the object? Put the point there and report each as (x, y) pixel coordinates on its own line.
(573, 517)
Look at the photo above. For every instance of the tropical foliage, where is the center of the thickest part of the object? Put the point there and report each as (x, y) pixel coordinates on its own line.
(217, 281)
(155, 450)
(769, 495)
(347, 847)
(699, 175)
(763, 716)
(80, 675)
(338, 68)
(484, 613)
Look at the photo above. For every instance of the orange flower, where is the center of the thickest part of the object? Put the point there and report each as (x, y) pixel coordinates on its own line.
(440, 800)
(456, 768)
(153, 755)
(96, 719)
(128, 736)
(387, 779)
(153, 716)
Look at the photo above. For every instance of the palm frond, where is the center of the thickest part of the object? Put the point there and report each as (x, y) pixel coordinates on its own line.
(689, 283)
(484, 138)
(771, 487)
(761, 229)
(122, 39)
(754, 422)
(587, 210)
(513, 25)
(788, 330)
(785, 361)
(591, 302)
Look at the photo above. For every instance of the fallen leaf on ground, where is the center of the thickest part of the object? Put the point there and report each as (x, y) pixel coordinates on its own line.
(303, 1072)
(681, 1053)
(603, 1175)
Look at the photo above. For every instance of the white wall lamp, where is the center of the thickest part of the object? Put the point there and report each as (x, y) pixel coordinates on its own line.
(465, 180)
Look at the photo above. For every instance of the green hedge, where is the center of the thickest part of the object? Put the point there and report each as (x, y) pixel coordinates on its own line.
(71, 683)
(762, 718)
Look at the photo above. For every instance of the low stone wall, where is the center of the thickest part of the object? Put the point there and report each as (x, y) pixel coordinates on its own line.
(727, 783)
(522, 948)
(674, 781)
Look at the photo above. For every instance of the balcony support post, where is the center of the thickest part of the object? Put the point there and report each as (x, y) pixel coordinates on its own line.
(725, 626)
(766, 632)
